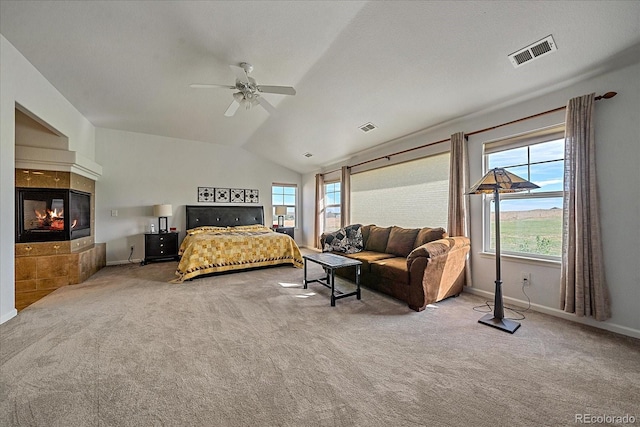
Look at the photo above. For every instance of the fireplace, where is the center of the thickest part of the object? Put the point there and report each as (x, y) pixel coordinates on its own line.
(52, 214)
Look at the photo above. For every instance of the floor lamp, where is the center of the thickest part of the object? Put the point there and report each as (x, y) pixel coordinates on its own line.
(497, 181)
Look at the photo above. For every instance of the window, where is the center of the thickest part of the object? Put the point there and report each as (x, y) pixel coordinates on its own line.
(409, 194)
(332, 206)
(530, 221)
(284, 195)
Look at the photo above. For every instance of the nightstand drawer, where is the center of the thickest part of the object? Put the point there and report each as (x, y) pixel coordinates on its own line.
(284, 230)
(160, 246)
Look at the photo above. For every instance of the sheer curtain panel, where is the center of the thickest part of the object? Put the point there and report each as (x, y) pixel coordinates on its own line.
(345, 196)
(317, 230)
(458, 215)
(584, 291)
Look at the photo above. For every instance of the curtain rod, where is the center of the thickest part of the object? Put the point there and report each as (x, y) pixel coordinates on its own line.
(607, 95)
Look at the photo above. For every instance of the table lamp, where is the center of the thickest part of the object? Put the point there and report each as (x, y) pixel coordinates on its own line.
(162, 212)
(281, 211)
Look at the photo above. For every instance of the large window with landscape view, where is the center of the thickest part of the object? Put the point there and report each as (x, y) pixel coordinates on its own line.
(530, 221)
(284, 195)
(409, 194)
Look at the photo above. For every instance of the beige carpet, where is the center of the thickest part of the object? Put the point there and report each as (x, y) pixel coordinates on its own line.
(127, 348)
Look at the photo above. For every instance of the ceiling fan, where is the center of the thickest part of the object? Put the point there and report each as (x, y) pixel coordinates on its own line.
(248, 91)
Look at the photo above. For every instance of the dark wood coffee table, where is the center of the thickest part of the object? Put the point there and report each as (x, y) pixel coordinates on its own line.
(330, 263)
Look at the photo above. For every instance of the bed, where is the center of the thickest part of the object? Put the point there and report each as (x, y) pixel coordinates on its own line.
(228, 238)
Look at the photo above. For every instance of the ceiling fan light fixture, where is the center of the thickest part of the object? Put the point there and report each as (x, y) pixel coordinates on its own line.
(248, 91)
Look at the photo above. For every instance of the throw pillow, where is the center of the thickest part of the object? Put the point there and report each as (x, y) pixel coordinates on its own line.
(426, 235)
(204, 229)
(378, 237)
(401, 241)
(347, 240)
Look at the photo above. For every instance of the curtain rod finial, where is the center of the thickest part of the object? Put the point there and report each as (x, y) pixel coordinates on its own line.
(607, 95)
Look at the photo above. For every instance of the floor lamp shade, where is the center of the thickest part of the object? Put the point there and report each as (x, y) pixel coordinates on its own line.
(281, 211)
(162, 212)
(496, 181)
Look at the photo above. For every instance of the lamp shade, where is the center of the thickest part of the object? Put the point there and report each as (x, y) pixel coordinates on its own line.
(502, 181)
(162, 210)
(281, 210)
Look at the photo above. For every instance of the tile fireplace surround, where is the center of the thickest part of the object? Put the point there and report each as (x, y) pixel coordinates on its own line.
(41, 268)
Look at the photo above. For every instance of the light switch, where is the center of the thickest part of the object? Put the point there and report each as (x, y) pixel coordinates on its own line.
(114, 212)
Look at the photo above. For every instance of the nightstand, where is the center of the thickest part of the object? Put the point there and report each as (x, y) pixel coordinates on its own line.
(160, 246)
(284, 230)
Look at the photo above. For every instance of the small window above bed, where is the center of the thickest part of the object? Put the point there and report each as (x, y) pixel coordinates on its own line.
(284, 195)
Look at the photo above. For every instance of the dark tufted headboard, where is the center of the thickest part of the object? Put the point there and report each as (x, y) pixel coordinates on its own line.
(224, 216)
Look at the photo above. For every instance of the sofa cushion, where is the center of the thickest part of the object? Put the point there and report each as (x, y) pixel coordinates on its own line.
(367, 257)
(393, 269)
(365, 233)
(426, 235)
(401, 241)
(378, 237)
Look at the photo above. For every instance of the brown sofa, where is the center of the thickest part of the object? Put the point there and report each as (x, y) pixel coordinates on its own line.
(418, 266)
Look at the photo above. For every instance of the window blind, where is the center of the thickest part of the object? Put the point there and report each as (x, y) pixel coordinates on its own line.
(528, 138)
(409, 194)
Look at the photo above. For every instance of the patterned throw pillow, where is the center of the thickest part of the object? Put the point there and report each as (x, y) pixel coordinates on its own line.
(347, 240)
(252, 227)
(204, 229)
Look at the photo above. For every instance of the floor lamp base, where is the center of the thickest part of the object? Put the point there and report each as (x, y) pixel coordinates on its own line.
(502, 324)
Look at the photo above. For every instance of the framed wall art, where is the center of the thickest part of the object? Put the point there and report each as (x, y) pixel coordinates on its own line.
(251, 196)
(237, 195)
(222, 195)
(228, 195)
(205, 194)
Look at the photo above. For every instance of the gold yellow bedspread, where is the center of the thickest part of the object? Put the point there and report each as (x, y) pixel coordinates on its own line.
(213, 249)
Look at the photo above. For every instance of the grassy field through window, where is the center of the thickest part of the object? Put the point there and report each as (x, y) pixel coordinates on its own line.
(536, 231)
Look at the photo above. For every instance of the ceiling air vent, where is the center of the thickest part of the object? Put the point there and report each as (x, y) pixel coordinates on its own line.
(533, 51)
(367, 127)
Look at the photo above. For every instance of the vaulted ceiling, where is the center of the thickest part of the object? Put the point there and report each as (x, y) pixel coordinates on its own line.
(403, 66)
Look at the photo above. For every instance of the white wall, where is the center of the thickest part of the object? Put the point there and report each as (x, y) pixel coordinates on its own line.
(21, 83)
(618, 157)
(141, 170)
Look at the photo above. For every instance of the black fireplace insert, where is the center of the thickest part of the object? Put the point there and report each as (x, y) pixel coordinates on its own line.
(52, 214)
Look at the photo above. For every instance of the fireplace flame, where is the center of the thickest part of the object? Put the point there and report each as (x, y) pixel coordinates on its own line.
(50, 214)
(52, 219)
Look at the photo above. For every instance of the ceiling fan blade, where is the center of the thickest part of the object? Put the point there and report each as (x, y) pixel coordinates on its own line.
(232, 109)
(210, 86)
(240, 73)
(282, 90)
(267, 106)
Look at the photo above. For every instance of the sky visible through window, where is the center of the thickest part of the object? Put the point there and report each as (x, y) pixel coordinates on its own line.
(542, 164)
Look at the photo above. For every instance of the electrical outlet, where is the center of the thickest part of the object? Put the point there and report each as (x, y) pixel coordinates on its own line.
(132, 248)
(525, 278)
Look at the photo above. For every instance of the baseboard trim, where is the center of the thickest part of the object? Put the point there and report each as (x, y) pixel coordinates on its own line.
(123, 262)
(612, 327)
(8, 316)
